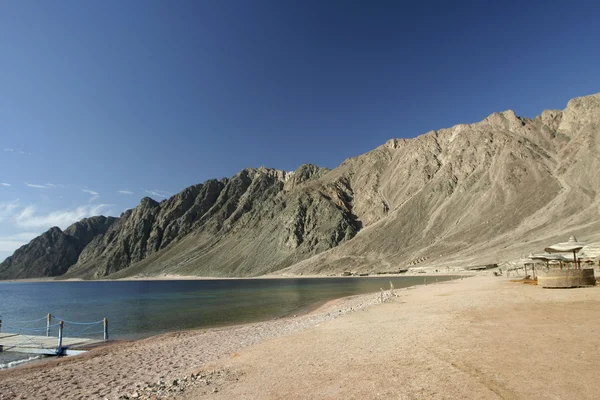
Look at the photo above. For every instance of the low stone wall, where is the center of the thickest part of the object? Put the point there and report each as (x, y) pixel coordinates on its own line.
(566, 278)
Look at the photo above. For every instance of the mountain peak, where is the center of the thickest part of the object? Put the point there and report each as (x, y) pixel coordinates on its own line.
(590, 102)
(148, 202)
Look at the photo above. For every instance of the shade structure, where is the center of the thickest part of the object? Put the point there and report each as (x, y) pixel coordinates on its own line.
(590, 252)
(564, 247)
(525, 261)
(548, 257)
(571, 245)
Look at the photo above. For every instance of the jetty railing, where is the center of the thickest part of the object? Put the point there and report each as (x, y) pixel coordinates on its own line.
(30, 336)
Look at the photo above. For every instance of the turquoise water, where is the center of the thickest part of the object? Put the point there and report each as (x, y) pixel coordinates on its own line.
(138, 309)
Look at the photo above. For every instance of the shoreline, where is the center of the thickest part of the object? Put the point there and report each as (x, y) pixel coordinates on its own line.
(218, 342)
(169, 277)
(316, 308)
(466, 338)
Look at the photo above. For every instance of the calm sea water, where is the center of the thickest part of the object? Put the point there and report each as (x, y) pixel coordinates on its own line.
(138, 309)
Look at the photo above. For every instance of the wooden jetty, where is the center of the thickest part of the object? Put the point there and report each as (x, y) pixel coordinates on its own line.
(33, 344)
(50, 345)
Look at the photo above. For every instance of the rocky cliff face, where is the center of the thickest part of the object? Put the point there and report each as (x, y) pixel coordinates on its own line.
(260, 220)
(468, 194)
(53, 252)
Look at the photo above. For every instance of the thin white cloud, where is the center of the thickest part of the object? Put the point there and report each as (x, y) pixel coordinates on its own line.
(46, 185)
(36, 186)
(125, 192)
(94, 194)
(10, 243)
(5, 184)
(10, 149)
(158, 193)
(28, 217)
(7, 209)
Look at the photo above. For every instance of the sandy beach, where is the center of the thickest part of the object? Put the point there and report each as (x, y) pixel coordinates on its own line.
(482, 337)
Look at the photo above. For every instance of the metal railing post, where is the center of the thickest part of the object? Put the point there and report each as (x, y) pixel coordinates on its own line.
(59, 348)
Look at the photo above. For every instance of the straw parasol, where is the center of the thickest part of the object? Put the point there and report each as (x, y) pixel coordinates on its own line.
(547, 257)
(571, 245)
(524, 261)
(590, 253)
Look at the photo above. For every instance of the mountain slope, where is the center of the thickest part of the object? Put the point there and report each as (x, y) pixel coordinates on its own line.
(258, 221)
(53, 252)
(477, 193)
(481, 193)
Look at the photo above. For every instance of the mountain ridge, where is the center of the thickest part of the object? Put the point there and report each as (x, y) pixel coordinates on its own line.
(471, 193)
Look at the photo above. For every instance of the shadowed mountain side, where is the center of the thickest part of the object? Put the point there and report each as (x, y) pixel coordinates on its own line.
(484, 192)
(54, 251)
(258, 221)
(287, 230)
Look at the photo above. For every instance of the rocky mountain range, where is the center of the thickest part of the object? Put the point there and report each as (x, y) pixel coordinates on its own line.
(471, 194)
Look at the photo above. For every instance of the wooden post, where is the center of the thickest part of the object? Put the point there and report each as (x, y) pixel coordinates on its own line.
(48, 319)
(105, 329)
(0, 323)
(59, 348)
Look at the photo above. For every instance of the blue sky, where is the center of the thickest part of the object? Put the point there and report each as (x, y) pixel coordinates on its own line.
(102, 103)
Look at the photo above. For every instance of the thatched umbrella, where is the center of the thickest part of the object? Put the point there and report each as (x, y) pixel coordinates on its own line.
(528, 260)
(590, 253)
(572, 245)
(547, 257)
(522, 261)
(587, 258)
